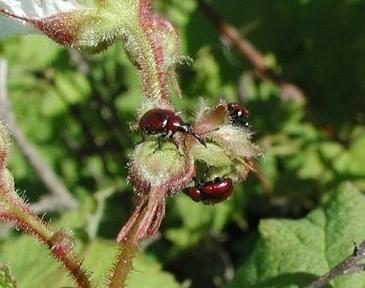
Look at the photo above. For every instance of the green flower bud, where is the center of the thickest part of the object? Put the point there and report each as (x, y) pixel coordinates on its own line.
(164, 166)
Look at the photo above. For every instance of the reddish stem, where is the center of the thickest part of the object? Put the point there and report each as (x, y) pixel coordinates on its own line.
(146, 218)
(143, 223)
(151, 25)
(16, 212)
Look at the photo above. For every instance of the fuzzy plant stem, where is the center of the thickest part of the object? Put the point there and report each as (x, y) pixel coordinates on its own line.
(142, 224)
(16, 212)
(124, 264)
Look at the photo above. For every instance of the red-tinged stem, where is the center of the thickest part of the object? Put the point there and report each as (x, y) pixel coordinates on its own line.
(143, 223)
(16, 212)
(124, 264)
(73, 265)
(149, 23)
(45, 235)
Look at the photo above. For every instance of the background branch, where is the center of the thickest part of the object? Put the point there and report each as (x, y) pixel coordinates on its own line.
(62, 196)
(249, 51)
(49, 203)
(234, 38)
(349, 265)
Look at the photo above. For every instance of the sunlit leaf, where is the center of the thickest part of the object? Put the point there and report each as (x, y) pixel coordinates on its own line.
(292, 253)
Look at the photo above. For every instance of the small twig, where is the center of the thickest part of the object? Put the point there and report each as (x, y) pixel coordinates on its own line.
(232, 35)
(349, 265)
(234, 38)
(45, 173)
(48, 203)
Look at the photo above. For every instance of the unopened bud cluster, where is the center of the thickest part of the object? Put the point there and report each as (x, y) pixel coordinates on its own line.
(203, 159)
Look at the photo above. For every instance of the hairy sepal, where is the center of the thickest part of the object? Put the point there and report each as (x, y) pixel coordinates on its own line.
(153, 166)
(230, 150)
(210, 119)
(156, 171)
(237, 141)
(91, 26)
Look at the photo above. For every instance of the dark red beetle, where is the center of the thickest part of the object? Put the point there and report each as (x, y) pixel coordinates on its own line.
(211, 192)
(165, 122)
(239, 114)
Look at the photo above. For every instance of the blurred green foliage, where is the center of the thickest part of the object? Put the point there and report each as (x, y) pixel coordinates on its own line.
(77, 110)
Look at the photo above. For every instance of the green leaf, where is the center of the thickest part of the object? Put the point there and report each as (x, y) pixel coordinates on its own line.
(33, 266)
(100, 256)
(149, 271)
(200, 220)
(292, 253)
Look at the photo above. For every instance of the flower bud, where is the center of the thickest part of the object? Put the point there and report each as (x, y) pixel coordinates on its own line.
(230, 149)
(164, 166)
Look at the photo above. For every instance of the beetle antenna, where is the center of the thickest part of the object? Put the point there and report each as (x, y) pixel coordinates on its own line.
(188, 129)
(199, 139)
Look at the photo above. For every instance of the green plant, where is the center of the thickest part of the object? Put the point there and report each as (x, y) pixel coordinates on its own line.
(156, 170)
(76, 109)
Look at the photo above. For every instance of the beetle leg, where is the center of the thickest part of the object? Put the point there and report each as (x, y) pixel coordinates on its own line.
(159, 143)
(188, 129)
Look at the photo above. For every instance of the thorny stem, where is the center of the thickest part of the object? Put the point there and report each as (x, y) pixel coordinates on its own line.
(143, 223)
(124, 264)
(16, 212)
(349, 265)
(152, 72)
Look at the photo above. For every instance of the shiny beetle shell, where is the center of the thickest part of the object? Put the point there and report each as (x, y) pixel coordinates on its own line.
(211, 192)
